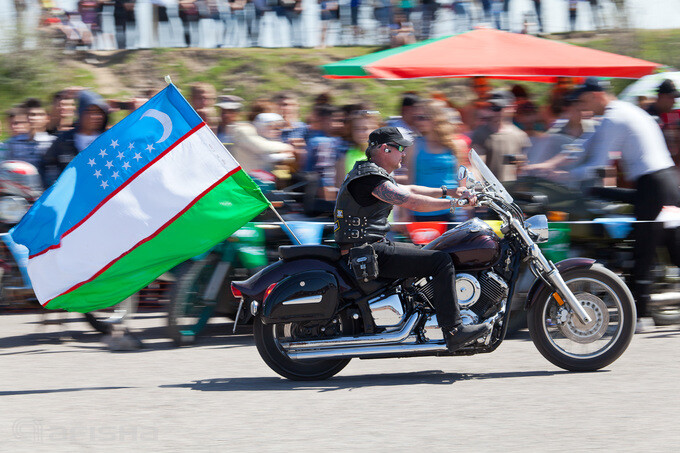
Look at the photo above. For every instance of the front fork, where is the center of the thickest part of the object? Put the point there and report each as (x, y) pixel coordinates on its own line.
(551, 274)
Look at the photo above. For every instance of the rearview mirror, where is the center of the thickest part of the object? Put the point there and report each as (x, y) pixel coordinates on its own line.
(462, 173)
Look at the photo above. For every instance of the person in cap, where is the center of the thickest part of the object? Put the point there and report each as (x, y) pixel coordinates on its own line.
(230, 107)
(666, 94)
(364, 202)
(499, 137)
(646, 162)
(668, 117)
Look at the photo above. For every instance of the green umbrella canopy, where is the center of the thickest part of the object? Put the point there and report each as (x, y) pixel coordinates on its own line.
(354, 67)
(490, 53)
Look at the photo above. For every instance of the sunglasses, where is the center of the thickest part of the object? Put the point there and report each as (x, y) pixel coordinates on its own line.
(400, 148)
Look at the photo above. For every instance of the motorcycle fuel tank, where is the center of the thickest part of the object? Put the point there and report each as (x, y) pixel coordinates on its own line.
(472, 245)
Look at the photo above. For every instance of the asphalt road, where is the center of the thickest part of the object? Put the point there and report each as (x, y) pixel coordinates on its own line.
(61, 389)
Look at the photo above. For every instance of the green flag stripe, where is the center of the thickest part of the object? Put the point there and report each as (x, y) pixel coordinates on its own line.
(353, 67)
(217, 215)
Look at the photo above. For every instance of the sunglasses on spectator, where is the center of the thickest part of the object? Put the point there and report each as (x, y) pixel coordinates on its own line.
(422, 117)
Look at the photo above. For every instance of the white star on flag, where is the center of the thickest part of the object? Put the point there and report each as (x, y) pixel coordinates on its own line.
(109, 164)
(114, 144)
(149, 148)
(115, 175)
(137, 156)
(90, 162)
(126, 165)
(120, 155)
(102, 152)
(131, 146)
(97, 173)
(104, 184)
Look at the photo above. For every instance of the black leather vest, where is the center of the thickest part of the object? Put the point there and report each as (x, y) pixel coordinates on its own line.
(356, 224)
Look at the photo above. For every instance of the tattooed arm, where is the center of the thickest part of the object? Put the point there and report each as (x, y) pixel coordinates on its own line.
(403, 196)
(435, 192)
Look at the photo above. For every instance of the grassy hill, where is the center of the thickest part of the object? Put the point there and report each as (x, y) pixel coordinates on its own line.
(252, 73)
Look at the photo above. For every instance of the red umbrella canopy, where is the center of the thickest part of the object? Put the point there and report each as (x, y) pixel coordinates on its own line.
(491, 53)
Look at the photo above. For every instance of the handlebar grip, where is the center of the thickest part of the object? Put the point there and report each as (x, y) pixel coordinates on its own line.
(463, 202)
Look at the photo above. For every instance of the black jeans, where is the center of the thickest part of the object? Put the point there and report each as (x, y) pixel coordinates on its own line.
(399, 260)
(654, 191)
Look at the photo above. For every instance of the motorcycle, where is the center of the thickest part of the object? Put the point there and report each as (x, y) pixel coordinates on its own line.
(312, 316)
(606, 235)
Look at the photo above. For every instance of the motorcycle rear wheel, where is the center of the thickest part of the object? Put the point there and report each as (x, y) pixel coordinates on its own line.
(268, 341)
(564, 341)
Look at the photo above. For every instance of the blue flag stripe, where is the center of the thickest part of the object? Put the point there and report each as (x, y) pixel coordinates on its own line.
(118, 189)
(104, 166)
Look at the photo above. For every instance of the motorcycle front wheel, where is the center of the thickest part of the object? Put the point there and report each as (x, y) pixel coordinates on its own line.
(268, 339)
(566, 342)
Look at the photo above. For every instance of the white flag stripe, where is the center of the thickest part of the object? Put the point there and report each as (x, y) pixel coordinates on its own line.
(133, 214)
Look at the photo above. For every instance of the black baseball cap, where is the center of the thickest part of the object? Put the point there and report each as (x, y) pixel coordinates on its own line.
(591, 84)
(500, 99)
(396, 135)
(668, 87)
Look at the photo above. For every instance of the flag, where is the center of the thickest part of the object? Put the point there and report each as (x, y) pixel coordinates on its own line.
(151, 192)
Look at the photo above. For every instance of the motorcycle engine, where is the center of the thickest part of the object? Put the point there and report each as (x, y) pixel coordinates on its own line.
(479, 294)
(387, 310)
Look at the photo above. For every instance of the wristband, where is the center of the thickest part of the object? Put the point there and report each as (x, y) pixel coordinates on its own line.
(453, 202)
(444, 190)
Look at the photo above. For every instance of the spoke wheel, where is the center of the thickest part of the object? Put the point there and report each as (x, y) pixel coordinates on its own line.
(268, 339)
(570, 344)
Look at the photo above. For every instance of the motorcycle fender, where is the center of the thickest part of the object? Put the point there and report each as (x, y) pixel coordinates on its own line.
(307, 296)
(255, 287)
(562, 266)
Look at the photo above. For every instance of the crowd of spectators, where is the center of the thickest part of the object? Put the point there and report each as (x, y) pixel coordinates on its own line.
(114, 24)
(272, 140)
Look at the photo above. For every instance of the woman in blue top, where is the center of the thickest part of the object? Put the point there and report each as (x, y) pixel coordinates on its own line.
(434, 160)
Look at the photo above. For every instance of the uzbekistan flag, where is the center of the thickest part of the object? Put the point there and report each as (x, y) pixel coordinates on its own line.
(148, 194)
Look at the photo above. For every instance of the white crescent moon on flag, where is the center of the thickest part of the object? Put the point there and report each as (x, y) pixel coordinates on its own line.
(162, 118)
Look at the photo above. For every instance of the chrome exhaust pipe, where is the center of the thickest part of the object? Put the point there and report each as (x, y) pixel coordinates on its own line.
(365, 352)
(671, 297)
(371, 340)
(367, 349)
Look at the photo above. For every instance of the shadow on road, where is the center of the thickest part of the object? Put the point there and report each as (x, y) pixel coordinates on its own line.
(433, 377)
(79, 336)
(37, 392)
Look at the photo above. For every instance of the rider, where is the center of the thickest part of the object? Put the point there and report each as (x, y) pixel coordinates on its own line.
(364, 202)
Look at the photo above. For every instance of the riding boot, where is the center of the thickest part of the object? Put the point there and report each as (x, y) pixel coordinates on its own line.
(462, 335)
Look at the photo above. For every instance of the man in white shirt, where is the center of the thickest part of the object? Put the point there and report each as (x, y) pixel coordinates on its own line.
(646, 162)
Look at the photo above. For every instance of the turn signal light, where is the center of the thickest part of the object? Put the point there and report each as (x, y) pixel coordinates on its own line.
(268, 292)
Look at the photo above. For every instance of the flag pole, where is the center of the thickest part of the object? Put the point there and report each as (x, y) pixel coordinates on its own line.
(169, 81)
(284, 222)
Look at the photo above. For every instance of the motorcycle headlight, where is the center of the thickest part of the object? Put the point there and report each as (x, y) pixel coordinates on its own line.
(537, 227)
(12, 209)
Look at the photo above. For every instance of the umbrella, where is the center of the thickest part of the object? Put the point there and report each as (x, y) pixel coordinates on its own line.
(490, 53)
(647, 85)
